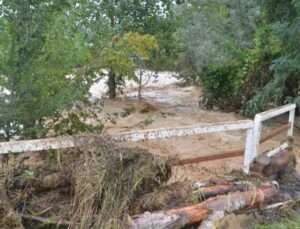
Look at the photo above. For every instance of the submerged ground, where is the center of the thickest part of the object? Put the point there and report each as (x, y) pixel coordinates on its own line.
(165, 104)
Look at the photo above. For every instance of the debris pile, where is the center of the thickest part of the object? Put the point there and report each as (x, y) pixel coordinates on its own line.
(102, 185)
(111, 180)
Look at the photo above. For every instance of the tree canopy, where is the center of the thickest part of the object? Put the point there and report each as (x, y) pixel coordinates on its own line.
(41, 64)
(245, 54)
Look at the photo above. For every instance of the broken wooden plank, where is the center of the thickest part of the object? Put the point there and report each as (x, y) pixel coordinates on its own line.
(278, 149)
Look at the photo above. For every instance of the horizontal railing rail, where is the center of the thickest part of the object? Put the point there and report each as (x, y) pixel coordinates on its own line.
(250, 151)
(131, 136)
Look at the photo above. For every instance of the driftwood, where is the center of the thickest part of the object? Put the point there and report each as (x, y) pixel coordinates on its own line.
(222, 189)
(180, 194)
(178, 218)
(270, 207)
(209, 222)
(268, 166)
(214, 218)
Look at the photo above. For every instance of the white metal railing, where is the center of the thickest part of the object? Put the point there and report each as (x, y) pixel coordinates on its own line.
(142, 135)
(257, 125)
(131, 136)
(251, 145)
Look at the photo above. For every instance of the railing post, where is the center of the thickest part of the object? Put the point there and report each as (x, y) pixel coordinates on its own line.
(257, 125)
(291, 121)
(249, 156)
(256, 134)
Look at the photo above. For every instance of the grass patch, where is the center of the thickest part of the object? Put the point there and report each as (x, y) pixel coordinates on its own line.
(127, 111)
(284, 223)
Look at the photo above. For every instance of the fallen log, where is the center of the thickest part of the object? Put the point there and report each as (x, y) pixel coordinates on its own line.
(178, 218)
(214, 218)
(269, 207)
(212, 191)
(183, 193)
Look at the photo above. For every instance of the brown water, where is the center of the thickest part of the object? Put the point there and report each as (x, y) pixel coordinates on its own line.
(173, 106)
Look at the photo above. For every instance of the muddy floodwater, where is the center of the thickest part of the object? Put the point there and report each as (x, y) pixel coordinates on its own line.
(165, 104)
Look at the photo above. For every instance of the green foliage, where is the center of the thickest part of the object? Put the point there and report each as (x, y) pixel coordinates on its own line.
(164, 30)
(50, 53)
(244, 53)
(72, 124)
(124, 52)
(284, 20)
(285, 223)
(217, 36)
(43, 65)
(127, 111)
(221, 85)
(153, 17)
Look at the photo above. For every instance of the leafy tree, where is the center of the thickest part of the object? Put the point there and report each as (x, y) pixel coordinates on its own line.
(244, 53)
(42, 65)
(283, 19)
(124, 54)
(143, 17)
(216, 36)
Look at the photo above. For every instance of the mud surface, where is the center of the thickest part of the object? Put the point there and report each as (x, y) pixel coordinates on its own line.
(164, 104)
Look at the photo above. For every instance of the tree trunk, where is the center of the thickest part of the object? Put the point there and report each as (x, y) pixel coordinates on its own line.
(178, 218)
(140, 85)
(112, 85)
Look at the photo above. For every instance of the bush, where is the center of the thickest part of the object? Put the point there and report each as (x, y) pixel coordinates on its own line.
(221, 87)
